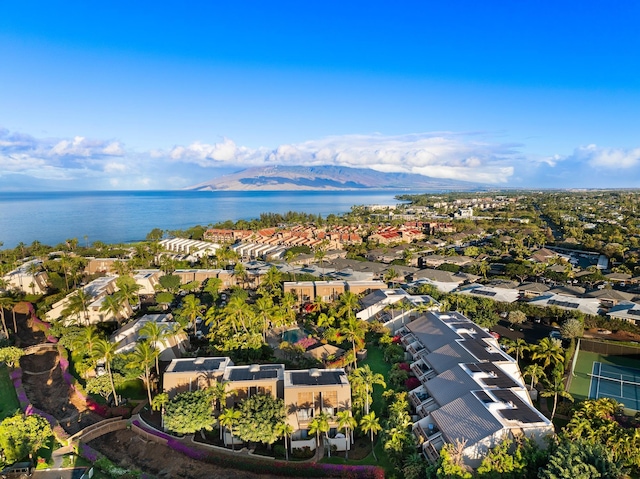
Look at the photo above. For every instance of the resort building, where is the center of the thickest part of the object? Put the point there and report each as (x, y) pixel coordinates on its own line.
(191, 374)
(471, 391)
(306, 393)
(308, 291)
(96, 291)
(171, 347)
(27, 278)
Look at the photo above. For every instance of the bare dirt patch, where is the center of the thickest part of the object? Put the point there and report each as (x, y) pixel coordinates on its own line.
(49, 392)
(129, 450)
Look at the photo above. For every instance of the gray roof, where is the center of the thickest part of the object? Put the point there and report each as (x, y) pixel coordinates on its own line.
(466, 419)
(450, 385)
(534, 287)
(448, 356)
(432, 334)
(439, 276)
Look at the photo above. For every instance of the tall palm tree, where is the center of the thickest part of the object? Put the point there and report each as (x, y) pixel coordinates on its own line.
(348, 303)
(144, 355)
(271, 280)
(4, 302)
(319, 425)
(370, 424)
(112, 304)
(368, 379)
(285, 430)
(128, 290)
(265, 310)
(549, 350)
(347, 423)
(353, 330)
(228, 419)
(535, 372)
(555, 388)
(213, 288)
(78, 303)
(218, 393)
(191, 309)
(287, 306)
(155, 334)
(238, 312)
(518, 346)
(106, 350)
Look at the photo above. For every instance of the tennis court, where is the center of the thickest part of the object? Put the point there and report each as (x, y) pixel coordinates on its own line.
(616, 382)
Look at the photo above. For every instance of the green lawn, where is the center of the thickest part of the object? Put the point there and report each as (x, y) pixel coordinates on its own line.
(8, 399)
(133, 389)
(375, 360)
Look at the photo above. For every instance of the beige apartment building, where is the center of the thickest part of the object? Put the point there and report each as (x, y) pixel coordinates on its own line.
(308, 291)
(306, 393)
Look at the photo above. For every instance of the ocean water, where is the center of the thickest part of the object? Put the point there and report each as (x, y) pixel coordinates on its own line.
(126, 216)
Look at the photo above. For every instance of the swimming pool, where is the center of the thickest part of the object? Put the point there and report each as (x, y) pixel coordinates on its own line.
(294, 335)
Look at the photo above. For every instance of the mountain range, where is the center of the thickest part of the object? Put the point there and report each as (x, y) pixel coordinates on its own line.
(280, 178)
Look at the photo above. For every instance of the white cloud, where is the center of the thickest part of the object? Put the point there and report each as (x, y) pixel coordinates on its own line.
(443, 155)
(91, 163)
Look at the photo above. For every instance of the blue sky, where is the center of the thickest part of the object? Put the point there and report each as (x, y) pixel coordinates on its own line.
(157, 95)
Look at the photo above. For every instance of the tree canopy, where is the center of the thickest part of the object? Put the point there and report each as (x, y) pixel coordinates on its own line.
(21, 436)
(260, 416)
(189, 412)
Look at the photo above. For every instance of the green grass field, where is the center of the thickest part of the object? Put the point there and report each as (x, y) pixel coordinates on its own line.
(580, 383)
(8, 399)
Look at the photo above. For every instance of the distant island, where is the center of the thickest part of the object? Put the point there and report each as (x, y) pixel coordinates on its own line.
(273, 178)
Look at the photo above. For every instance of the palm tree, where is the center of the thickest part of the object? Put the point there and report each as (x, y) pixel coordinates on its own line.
(4, 302)
(78, 303)
(535, 372)
(353, 330)
(158, 404)
(128, 290)
(347, 423)
(227, 419)
(370, 424)
(319, 425)
(483, 268)
(238, 312)
(155, 334)
(144, 355)
(66, 264)
(554, 389)
(348, 303)
(265, 310)
(287, 304)
(191, 309)
(368, 379)
(112, 304)
(517, 346)
(285, 430)
(218, 393)
(85, 341)
(272, 279)
(213, 288)
(549, 350)
(240, 272)
(106, 350)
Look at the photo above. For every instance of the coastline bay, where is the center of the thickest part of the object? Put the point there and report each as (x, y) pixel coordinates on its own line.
(127, 216)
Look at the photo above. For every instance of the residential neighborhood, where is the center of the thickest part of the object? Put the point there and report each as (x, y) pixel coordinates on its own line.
(436, 338)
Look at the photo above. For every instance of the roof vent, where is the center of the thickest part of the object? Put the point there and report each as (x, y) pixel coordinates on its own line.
(314, 373)
(254, 368)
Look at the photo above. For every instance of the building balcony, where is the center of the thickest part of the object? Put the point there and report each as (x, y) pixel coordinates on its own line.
(418, 396)
(407, 339)
(422, 370)
(415, 348)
